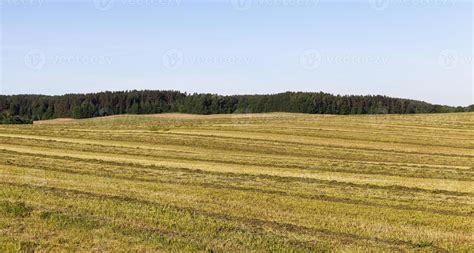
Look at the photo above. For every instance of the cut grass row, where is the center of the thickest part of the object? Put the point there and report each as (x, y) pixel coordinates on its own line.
(309, 163)
(309, 189)
(378, 180)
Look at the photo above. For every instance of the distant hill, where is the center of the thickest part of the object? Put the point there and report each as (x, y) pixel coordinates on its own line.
(19, 109)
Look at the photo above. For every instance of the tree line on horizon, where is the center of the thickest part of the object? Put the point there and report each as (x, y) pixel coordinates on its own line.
(24, 109)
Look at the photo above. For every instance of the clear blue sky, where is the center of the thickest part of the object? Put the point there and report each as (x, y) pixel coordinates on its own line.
(420, 49)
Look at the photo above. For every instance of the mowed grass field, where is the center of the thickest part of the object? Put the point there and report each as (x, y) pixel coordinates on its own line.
(256, 182)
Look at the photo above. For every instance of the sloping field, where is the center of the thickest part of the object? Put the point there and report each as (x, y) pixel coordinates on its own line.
(239, 183)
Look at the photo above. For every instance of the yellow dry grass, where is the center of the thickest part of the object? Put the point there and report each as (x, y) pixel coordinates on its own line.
(250, 182)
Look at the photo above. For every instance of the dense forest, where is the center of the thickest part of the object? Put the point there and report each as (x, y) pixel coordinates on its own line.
(21, 109)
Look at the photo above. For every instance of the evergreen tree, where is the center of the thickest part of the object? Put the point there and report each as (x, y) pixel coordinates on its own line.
(25, 108)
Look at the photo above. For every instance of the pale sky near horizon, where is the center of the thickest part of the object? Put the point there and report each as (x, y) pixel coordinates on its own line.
(418, 49)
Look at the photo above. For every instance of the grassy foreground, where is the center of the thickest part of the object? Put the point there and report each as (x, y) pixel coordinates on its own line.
(239, 183)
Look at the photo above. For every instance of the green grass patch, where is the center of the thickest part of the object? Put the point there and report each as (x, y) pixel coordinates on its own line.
(69, 221)
(15, 209)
